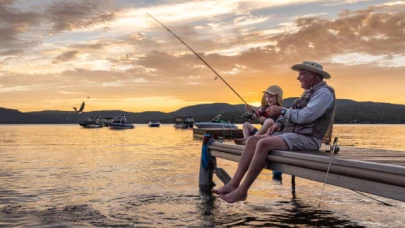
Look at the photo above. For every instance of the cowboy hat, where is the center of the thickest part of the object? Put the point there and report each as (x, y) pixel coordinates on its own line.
(312, 67)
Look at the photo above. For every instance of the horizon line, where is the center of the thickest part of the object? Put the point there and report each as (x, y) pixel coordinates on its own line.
(187, 106)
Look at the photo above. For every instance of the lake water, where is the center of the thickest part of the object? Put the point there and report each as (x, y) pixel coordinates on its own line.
(67, 176)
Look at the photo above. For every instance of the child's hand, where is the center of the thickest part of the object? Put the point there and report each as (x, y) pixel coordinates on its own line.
(262, 119)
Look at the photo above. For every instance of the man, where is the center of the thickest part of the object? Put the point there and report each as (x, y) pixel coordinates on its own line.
(301, 127)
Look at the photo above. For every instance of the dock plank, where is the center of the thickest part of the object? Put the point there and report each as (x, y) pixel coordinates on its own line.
(373, 155)
(379, 172)
(216, 133)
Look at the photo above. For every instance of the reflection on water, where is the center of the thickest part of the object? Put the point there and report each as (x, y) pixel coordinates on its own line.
(63, 175)
(381, 136)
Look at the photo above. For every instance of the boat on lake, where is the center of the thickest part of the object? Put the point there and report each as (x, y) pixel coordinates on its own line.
(154, 123)
(216, 123)
(120, 122)
(91, 122)
(184, 122)
(105, 121)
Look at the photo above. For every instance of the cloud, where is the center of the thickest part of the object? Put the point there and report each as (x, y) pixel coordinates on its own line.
(343, 2)
(71, 15)
(67, 56)
(11, 52)
(14, 89)
(14, 22)
(8, 79)
(249, 43)
(375, 31)
(364, 59)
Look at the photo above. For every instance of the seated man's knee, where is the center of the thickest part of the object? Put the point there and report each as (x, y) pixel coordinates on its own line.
(252, 139)
(265, 145)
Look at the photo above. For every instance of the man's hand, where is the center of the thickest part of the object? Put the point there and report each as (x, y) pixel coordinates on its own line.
(274, 110)
(273, 129)
(249, 108)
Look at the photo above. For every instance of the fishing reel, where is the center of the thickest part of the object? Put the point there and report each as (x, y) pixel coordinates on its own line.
(250, 115)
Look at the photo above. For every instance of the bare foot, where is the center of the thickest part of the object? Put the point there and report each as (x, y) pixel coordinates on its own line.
(225, 189)
(234, 196)
(240, 141)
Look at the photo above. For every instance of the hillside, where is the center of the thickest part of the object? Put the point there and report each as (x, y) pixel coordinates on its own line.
(347, 111)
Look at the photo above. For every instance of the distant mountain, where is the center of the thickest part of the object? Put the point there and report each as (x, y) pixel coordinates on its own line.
(347, 111)
(11, 115)
(208, 109)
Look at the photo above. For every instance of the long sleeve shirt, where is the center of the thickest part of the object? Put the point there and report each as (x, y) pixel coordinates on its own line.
(320, 101)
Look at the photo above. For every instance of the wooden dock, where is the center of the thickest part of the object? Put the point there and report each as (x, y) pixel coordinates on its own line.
(216, 133)
(378, 172)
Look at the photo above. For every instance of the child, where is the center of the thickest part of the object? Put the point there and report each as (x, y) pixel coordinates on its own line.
(273, 95)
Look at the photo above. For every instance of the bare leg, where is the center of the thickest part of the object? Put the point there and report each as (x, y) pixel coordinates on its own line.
(247, 129)
(254, 168)
(243, 165)
(266, 125)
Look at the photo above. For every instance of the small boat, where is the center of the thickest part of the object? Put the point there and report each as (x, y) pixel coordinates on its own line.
(120, 123)
(216, 123)
(105, 121)
(184, 122)
(92, 122)
(153, 123)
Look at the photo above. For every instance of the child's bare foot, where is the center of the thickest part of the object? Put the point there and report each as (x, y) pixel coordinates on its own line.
(241, 141)
(234, 196)
(225, 189)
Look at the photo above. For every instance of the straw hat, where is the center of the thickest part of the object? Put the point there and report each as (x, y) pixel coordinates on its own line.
(312, 67)
(275, 90)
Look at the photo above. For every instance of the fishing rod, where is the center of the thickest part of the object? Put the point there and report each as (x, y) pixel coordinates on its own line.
(199, 57)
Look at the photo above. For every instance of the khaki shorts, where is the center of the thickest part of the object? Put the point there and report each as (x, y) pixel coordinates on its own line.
(300, 142)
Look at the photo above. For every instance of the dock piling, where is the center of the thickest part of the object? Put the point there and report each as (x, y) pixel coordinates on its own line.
(207, 165)
(222, 175)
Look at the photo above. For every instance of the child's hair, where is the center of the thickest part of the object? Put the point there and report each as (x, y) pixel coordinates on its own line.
(264, 103)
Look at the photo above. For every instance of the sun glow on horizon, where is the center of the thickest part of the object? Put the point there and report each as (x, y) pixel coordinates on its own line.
(123, 59)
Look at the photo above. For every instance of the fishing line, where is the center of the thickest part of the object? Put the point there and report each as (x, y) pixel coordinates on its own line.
(327, 172)
(326, 176)
(330, 162)
(198, 57)
(384, 203)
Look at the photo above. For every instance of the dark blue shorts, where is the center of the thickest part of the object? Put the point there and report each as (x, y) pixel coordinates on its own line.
(254, 131)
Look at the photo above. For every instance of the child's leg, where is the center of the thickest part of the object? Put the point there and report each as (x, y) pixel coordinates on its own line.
(247, 129)
(266, 125)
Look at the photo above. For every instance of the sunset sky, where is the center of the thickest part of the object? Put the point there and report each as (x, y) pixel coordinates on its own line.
(54, 54)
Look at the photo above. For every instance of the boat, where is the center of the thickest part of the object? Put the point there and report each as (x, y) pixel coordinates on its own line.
(105, 121)
(120, 122)
(91, 122)
(184, 122)
(154, 123)
(216, 123)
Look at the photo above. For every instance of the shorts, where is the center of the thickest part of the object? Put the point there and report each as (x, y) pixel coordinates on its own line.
(300, 142)
(253, 132)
